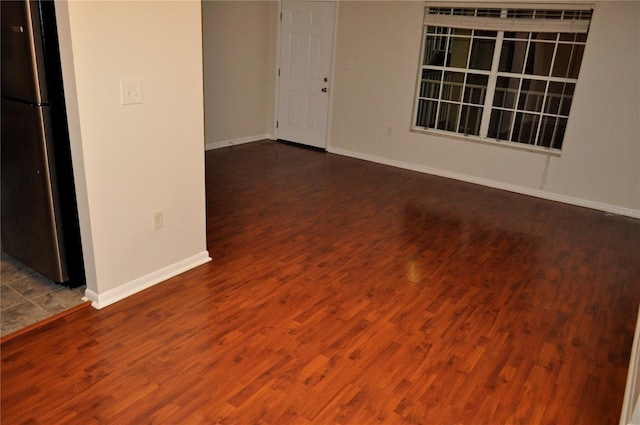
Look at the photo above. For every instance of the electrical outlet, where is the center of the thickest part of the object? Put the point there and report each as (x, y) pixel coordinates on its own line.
(131, 92)
(157, 219)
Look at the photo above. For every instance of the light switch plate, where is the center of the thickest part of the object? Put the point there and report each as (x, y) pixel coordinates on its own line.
(131, 91)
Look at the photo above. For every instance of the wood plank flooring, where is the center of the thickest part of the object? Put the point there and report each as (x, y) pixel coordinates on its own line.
(345, 292)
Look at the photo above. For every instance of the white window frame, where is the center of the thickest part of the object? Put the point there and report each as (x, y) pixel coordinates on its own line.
(505, 23)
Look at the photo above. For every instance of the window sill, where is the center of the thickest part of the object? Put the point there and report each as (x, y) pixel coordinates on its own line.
(491, 142)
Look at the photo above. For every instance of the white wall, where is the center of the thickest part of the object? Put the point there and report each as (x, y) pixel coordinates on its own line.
(239, 41)
(600, 162)
(132, 160)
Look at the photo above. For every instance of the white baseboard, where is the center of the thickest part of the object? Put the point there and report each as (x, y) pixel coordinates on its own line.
(607, 208)
(102, 300)
(631, 402)
(241, 140)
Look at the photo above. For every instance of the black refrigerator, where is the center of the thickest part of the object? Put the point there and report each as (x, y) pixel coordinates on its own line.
(39, 215)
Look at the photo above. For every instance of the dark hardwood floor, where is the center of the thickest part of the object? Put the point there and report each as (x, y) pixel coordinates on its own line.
(345, 292)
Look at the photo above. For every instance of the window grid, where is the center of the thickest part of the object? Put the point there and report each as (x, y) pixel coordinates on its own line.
(530, 120)
(513, 13)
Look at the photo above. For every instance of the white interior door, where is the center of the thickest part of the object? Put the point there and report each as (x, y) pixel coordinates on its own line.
(306, 49)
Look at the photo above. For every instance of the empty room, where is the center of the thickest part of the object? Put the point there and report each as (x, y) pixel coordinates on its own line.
(351, 212)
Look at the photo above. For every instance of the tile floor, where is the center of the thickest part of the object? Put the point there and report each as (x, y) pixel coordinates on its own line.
(26, 297)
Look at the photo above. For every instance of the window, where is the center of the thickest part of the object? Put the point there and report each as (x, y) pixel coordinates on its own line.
(500, 74)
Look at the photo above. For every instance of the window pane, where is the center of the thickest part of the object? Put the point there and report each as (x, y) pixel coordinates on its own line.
(559, 98)
(549, 14)
(430, 84)
(561, 126)
(512, 56)
(567, 97)
(549, 36)
(492, 13)
(552, 132)
(576, 60)
(561, 64)
(460, 31)
(539, 58)
(506, 92)
(434, 49)
(476, 88)
(554, 96)
(525, 127)
(452, 86)
(436, 30)
(448, 117)
(481, 54)
(482, 33)
(524, 35)
(547, 131)
(520, 13)
(500, 124)
(464, 12)
(459, 52)
(532, 95)
(470, 120)
(426, 116)
(579, 37)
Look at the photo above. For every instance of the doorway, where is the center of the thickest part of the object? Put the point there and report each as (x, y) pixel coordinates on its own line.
(305, 47)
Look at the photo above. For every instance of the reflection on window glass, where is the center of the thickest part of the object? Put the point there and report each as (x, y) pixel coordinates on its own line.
(554, 97)
(426, 113)
(549, 36)
(580, 38)
(448, 116)
(430, 85)
(552, 131)
(512, 56)
(532, 95)
(459, 52)
(482, 53)
(470, 120)
(452, 86)
(567, 97)
(506, 92)
(482, 33)
(539, 58)
(434, 50)
(520, 13)
(576, 60)
(437, 30)
(561, 63)
(559, 98)
(475, 88)
(525, 128)
(500, 124)
(524, 35)
(460, 31)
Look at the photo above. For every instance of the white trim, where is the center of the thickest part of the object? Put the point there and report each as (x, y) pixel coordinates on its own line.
(123, 291)
(630, 414)
(277, 73)
(508, 24)
(239, 141)
(327, 138)
(607, 208)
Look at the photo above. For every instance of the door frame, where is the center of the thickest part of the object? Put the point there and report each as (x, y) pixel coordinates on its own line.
(332, 64)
